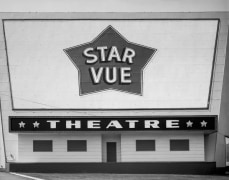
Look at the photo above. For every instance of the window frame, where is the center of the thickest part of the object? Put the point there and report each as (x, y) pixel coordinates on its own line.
(179, 148)
(74, 149)
(35, 146)
(139, 149)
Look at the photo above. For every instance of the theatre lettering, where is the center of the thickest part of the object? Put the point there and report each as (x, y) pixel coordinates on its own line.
(111, 124)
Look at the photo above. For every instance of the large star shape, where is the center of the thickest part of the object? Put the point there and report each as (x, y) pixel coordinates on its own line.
(124, 75)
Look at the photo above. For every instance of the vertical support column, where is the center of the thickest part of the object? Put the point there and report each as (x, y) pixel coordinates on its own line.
(10, 140)
(2, 144)
(220, 153)
(223, 129)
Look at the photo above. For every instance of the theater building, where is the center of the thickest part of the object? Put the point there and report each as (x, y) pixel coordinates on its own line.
(114, 92)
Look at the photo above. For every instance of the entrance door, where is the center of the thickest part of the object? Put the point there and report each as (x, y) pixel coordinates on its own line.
(111, 152)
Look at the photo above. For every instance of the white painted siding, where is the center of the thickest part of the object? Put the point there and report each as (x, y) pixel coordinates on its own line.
(128, 148)
(162, 152)
(59, 154)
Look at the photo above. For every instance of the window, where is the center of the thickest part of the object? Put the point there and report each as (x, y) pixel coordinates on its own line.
(42, 146)
(179, 145)
(145, 145)
(77, 145)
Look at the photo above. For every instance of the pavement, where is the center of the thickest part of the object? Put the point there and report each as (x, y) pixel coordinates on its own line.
(88, 176)
(8, 176)
(56, 176)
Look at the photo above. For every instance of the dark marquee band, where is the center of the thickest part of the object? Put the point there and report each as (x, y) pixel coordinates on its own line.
(21, 124)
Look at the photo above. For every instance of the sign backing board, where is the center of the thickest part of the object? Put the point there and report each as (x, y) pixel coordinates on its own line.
(177, 76)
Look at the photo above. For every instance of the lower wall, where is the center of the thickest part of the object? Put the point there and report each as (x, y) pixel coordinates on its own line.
(59, 154)
(125, 168)
(162, 150)
(126, 147)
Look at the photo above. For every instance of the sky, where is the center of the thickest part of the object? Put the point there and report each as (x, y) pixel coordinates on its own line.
(113, 5)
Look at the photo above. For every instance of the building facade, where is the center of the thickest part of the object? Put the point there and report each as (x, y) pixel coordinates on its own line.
(114, 92)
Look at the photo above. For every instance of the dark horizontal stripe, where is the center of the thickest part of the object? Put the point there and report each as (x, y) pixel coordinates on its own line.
(122, 168)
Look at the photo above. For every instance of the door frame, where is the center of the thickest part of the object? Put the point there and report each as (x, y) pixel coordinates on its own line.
(111, 138)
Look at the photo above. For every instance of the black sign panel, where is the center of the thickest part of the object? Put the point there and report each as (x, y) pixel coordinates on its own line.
(23, 124)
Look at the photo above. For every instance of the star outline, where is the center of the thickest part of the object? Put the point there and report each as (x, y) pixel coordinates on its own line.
(189, 123)
(111, 88)
(203, 123)
(36, 124)
(22, 124)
